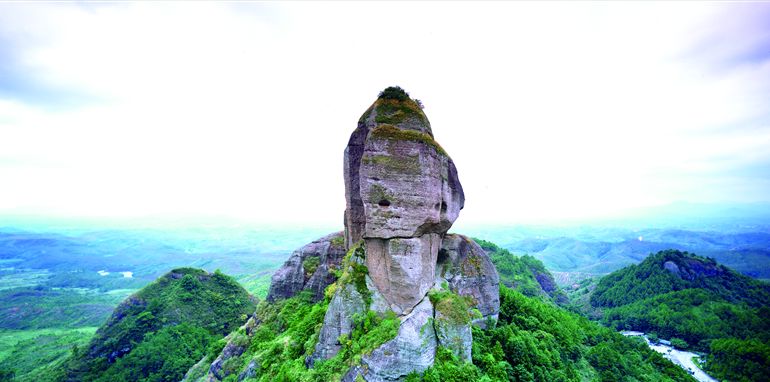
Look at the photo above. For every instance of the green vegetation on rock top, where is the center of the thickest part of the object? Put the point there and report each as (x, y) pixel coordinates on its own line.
(394, 92)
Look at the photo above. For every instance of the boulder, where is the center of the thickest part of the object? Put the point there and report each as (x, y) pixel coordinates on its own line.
(469, 272)
(309, 268)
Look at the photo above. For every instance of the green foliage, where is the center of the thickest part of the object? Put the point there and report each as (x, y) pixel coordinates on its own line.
(29, 354)
(739, 360)
(287, 336)
(394, 92)
(40, 307)
(447, 368)
(699, 305)
(522, 272)
(338, 241)
(679, 343)
(210, 305)
(310, 264)
(537, 341)
(164, 355)
(650, 278)
(694, 315)
(354, 271)
(6, 375)
(453, 307)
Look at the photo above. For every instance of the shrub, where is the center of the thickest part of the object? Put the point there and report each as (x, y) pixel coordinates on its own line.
(394, 92)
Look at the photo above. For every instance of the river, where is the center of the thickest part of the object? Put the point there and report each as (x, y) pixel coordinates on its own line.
(679, 357)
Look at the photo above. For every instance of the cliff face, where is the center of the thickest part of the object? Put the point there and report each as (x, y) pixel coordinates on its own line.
(395, 259)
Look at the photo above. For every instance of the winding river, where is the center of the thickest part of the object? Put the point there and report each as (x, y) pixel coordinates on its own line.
(681, 358)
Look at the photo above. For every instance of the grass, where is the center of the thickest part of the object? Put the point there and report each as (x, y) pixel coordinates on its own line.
(29, 353)
(38, 308)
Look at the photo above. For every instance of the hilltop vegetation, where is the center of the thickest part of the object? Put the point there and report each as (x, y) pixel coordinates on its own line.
(537, 341)
(162, 330)
(672, 270)
(701, 304)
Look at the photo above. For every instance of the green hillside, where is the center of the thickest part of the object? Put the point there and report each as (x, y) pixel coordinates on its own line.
(158, 333)
(672, 270)
(705, 306)
(525, 274)
(533, 340)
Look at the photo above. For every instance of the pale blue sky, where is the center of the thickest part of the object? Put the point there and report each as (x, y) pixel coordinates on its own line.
(551, 111)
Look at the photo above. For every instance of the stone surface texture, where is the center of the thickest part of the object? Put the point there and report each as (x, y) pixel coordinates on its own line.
(413, 349)
(469, 272)
(293, 277)
(403, 269)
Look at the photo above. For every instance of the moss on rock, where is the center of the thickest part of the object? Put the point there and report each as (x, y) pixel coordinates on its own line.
(387, 131)
(393, 111)
(399, 165)
(453, 307)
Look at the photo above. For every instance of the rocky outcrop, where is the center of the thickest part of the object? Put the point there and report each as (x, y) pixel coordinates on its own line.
(469, 272)
(398, 181)
(413, 349)
(403, 269)
(345, 304)
(402, 194)
(309, 268)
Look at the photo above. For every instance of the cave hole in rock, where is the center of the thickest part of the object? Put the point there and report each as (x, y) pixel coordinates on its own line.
(384, 203)
(443, 206)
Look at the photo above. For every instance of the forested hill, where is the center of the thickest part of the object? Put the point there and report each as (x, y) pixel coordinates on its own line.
(524, 273)
(696, 303)
(672, 270)
(158, 333)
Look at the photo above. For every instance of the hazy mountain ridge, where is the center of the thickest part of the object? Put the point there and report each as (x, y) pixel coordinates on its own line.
(747, 252)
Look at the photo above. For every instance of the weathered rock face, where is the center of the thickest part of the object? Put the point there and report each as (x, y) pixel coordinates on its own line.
(413, 349)
(398, 181)
(403, 269)
(338, 321)
(308, 268)
(402, 194)
(469, 272)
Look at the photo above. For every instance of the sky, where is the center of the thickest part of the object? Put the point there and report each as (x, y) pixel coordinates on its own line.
(551, 111)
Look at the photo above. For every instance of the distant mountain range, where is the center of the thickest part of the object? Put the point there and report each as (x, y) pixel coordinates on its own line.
(748, 253)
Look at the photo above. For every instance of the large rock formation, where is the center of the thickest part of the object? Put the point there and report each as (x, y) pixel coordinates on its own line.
(395, 258)
(402, 195)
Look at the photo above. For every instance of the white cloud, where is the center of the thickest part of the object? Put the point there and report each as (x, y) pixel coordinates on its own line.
(550, 110)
